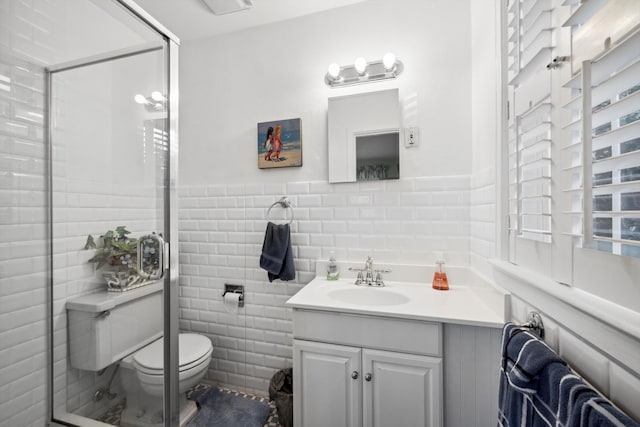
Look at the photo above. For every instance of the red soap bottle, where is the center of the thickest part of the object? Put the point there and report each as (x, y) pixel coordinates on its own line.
(440, 281)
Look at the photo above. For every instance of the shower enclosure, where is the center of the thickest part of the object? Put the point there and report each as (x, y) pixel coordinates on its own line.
(110, 119)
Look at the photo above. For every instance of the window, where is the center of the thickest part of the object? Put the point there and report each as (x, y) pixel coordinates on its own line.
(605, 109)
(573, 145)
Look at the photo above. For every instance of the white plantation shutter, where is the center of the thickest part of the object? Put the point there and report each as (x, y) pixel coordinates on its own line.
(603, 160)
(572, 153)
(530, 46)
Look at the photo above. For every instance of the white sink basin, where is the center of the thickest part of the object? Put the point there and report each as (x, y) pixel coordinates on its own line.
(368, 296)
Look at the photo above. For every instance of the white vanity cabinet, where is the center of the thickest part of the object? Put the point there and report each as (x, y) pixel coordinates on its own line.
(355, 370)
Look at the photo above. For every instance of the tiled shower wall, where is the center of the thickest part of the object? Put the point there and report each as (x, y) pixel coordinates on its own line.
(23, 264)
(221, 233)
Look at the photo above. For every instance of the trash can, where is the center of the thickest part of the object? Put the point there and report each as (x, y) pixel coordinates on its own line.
(281, 392)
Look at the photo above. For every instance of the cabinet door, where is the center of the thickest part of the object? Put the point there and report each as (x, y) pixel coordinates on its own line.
(401, 389)
(325, 390)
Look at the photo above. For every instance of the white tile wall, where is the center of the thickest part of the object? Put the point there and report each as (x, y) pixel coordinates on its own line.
(482, 238)
(22, 251)
(221, 234)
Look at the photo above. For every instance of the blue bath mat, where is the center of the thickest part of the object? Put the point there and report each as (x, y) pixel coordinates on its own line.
(219, 408)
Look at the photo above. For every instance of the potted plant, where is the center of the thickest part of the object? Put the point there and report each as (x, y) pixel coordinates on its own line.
(116, 255)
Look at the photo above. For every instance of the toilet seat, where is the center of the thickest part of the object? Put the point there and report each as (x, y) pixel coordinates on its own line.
(194, 349)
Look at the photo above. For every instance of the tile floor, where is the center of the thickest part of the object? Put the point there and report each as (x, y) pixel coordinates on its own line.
(112, 416)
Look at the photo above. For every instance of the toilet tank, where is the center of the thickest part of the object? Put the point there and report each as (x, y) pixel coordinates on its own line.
(104, 327)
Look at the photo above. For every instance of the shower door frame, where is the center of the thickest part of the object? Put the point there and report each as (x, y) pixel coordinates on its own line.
(170, 210)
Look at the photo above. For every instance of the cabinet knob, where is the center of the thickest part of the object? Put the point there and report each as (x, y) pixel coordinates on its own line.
(354, 375)
(367, 377)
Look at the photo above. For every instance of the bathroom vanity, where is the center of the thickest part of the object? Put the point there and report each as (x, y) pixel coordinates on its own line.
(367, 356)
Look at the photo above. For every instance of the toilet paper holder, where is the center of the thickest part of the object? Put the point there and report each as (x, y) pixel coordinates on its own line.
(236, 289)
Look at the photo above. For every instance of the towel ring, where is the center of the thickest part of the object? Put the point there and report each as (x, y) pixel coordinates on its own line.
(285, 203)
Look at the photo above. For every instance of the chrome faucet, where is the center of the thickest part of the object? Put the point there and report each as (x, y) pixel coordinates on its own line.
(368, 266)
(368, 279)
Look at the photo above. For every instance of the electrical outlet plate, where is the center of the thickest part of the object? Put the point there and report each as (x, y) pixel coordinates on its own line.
(411, 137)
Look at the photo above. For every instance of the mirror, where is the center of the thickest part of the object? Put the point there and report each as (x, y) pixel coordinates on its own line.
(364, 136)
(150, 256)
(378, 156)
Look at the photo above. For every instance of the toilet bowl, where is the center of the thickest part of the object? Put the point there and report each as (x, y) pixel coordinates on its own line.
(142, 377)
(194, 357)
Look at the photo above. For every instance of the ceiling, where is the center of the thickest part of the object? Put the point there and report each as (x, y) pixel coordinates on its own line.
(192, 19)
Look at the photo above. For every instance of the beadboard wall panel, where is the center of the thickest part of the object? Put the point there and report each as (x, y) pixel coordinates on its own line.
(471, 368)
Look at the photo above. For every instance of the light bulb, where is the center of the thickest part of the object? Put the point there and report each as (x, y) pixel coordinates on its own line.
(157, 96)
(334, 70)
(360, 65)
(389, 61)
(140, 99)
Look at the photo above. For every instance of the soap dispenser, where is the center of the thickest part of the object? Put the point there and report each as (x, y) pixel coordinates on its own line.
(440, 281)
(333, 273)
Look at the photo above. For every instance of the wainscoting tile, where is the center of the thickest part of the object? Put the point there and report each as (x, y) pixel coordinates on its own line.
(591, 364)
(625, 390)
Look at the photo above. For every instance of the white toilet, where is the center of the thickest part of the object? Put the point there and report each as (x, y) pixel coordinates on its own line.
(106, 328)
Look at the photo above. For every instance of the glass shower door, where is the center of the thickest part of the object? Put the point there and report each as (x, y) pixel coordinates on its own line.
(111, 197)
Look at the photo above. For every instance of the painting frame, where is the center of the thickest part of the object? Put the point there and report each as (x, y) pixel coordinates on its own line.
(279, 143)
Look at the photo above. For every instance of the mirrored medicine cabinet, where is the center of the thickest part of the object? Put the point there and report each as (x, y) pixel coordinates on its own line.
(364, 137)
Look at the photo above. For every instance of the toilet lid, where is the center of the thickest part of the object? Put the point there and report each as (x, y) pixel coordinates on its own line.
(192, 348)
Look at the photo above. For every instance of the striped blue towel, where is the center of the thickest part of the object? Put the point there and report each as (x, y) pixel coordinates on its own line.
(537, 388)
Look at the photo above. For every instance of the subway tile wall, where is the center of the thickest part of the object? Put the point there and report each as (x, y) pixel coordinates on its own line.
(482, 237)
(221, 234)
(23, 260)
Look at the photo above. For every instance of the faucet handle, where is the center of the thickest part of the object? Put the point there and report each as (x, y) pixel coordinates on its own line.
(360, 278)
(379, 281)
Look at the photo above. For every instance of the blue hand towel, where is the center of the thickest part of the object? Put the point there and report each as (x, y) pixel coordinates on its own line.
(277, 255)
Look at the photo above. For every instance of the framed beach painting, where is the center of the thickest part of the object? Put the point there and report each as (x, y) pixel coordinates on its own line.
(280, 144)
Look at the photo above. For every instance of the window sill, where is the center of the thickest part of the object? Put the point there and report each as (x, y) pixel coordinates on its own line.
(613, 315)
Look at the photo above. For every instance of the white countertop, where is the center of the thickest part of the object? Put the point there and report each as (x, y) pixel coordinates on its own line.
(461, 304)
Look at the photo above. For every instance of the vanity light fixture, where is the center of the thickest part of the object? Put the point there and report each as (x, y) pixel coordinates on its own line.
(363, 72)
(360, 65)
(156, 102)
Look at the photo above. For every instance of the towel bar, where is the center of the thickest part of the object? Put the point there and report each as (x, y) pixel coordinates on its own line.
(285, 203)
(534, 322)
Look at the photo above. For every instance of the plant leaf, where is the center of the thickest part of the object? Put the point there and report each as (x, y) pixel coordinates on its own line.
(122, 230)
(91, 244)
